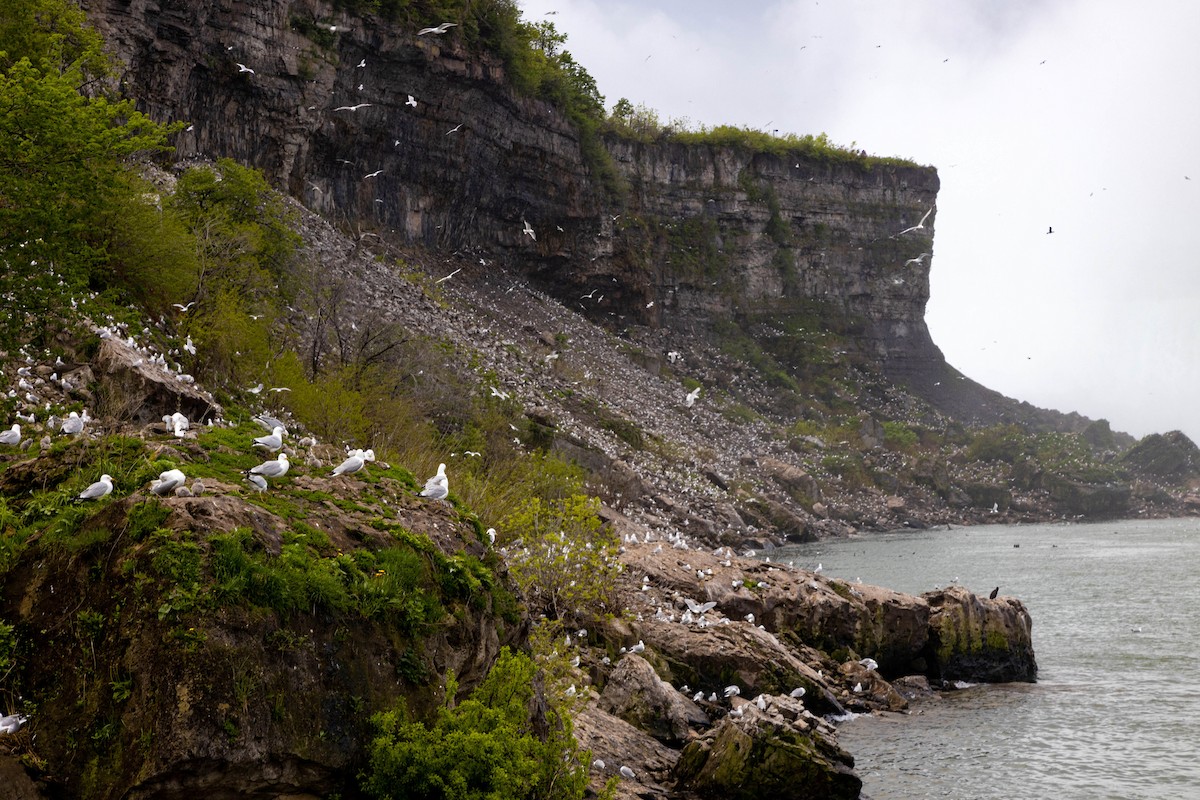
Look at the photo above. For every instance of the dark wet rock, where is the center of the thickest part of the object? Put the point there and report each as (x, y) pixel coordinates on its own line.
(758, 757)
(977, 639)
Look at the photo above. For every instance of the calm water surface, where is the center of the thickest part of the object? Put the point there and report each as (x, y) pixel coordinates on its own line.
(1116, 628)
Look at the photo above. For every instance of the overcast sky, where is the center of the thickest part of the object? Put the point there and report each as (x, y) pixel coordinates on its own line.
(1083, 115)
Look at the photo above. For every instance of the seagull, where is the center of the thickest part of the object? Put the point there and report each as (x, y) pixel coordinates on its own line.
(191, 348)
(272, 441)
(437, 487)
(797, 692)
(598, 763)
(176, 423)
(98, 489)
(184, 308)
(73, 423)
(271, 469)
(699, 608)
(918, 227)
(995, 508)
(448, 277)
(733, 691)
(258, 482)
(362, 63)
(167, 481)
(869, 663)
(352, 108)
(255, 389)
(244, 68)
(690, 400)
(917, 260)
(440, 29)
(412, 101)
(351, 465)
(454, 129)
(858, 688)
(373, 174)
(491, 534)
(270, 423)
(12, 435)
(528, 231)
(11, 723)
(626, 772)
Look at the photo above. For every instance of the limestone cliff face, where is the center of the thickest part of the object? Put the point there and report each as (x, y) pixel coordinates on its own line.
(702, 232)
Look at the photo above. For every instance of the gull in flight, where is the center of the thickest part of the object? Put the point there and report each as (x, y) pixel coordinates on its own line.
(412, 101)
(271, 469)
(440, 29)
(690, 400)
(917, 260)
(12, 435)
(99, 489)
(699, 608)
(373, 174)
(272, 441)
(454, 129)
(244, 68)
(437, 487)
(362, 63)
(528, 231)
(352, 108)
(184, 308)
(448, 277)
(920, 226)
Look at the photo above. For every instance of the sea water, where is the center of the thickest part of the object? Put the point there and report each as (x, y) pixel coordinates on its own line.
(1115, 712)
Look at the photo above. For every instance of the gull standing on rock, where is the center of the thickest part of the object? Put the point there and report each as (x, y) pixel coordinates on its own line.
(74, 423)
(99, 489)
(352, 464)
(167, 481)
(437, 487)
(272, 469)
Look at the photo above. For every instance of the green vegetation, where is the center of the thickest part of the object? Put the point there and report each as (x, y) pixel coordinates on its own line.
(487, 747)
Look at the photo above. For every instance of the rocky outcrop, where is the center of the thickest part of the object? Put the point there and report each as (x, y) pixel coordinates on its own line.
(760, 756)
(976, 639)
(1172, 456)
(140, 390)
(636, 694)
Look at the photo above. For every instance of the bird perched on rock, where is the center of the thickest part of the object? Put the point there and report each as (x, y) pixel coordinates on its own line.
(167, 482)
(176, 423)
(99, 489)
(994, 593)
(353, 463)
(12, 435)
(626, 772)
(437, 487)
(258, 482)
(733, 690)
(74, 423)
(272, 469)
(272, 441)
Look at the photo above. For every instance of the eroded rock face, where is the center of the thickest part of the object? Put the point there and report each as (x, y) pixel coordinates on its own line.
(976, 639)
(142, 391)
(636, 694)
(758, 757)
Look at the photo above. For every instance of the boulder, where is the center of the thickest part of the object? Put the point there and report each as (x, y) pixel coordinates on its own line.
(133, 388)
(1172, 456)
(757, 757)
(979, 640)
(636, 694)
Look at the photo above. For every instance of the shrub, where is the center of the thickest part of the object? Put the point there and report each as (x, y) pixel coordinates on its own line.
(503, 743)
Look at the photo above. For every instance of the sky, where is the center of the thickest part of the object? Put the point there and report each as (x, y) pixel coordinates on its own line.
(1081, 115)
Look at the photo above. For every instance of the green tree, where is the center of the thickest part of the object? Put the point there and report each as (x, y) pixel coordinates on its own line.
(64, 145)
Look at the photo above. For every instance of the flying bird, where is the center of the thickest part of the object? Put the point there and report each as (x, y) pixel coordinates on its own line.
(690, 400)
(412, 101)
(99, 489)
(352, 108)
(271, 469)
(440, 29)
(918, 227)
(184, 308)
(374, 174)
(917, 260)
(455, 129)
(528, 230)
(362, 63)
(244, 68)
